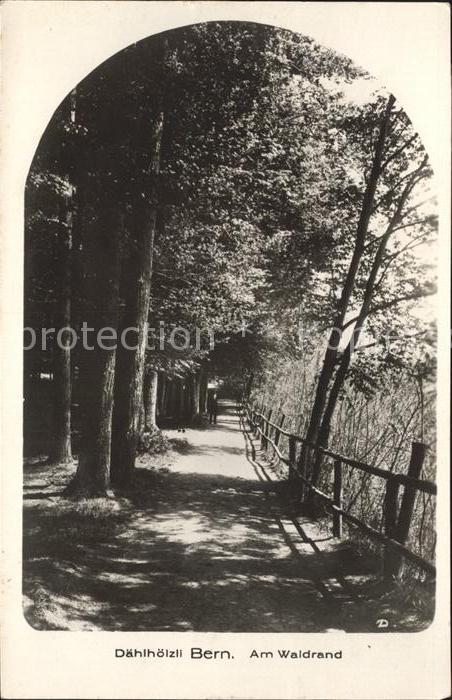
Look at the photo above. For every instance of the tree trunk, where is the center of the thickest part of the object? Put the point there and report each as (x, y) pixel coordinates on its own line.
(203, 391)
(130, 374)
(331, 352)
(341, 374)
(102, 257)
(62, 386)
(188, 398)
(151, 402)
(163, 385)
(249, 385)
(142, 420)
(195, 395)
(168, 405)
(180, 399)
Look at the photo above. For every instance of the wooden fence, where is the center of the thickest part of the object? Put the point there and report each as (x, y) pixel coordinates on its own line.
(397, 521)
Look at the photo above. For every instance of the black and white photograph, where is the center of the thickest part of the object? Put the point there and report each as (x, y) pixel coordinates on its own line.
(230, 351)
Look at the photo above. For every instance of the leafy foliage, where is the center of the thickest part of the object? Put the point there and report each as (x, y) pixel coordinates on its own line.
(266, 157)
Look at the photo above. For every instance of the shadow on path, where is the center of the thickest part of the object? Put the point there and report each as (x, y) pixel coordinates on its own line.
(205, 546)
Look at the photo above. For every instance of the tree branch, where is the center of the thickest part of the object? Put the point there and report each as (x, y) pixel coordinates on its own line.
(398, 151)
(409, 246)
(407, 176)
(397, 228)
(406, 297)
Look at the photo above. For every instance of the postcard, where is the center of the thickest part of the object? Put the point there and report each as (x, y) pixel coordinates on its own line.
(225, 309)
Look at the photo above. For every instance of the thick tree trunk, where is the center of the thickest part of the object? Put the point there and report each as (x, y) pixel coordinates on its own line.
(128, 389)
(142, 419)
(130, 373)
(62, 387)
(151, 402)
(331, 352)
(92, 477)
(97, 365)
(61, 451)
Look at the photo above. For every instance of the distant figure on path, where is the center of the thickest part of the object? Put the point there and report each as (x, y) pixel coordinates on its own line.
(212, 406)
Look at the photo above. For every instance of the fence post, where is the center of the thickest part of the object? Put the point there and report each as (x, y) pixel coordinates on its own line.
(258, 422)
(255, 423)
(263, 427)
(304, 468)
(267, 428)
(391, 558)
(337, 495)
(269, 415)
(292, 453)
(418, 450)
(277, 432)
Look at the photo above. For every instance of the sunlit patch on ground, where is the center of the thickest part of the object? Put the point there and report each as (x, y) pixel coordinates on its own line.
(205, 547)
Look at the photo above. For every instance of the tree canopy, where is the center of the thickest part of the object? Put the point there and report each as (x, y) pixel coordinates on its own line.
(279, 202)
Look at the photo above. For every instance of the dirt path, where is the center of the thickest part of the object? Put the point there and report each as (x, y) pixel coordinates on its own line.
(216, 450)
(205, 546)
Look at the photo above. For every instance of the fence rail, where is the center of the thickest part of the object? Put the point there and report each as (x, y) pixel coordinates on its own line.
(397, 520)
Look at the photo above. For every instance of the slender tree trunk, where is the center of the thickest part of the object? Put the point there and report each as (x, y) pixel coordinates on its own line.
(97, 365)
(151, 401)
(341, 374)
(188, 398)
(249, 385)
(168, 404)
(175, 398)
(175, 390)
(129, 378)
(62, 386)
(181, 399)
(203, 390)
(163, 384)
(331, 352)
(195, 395)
